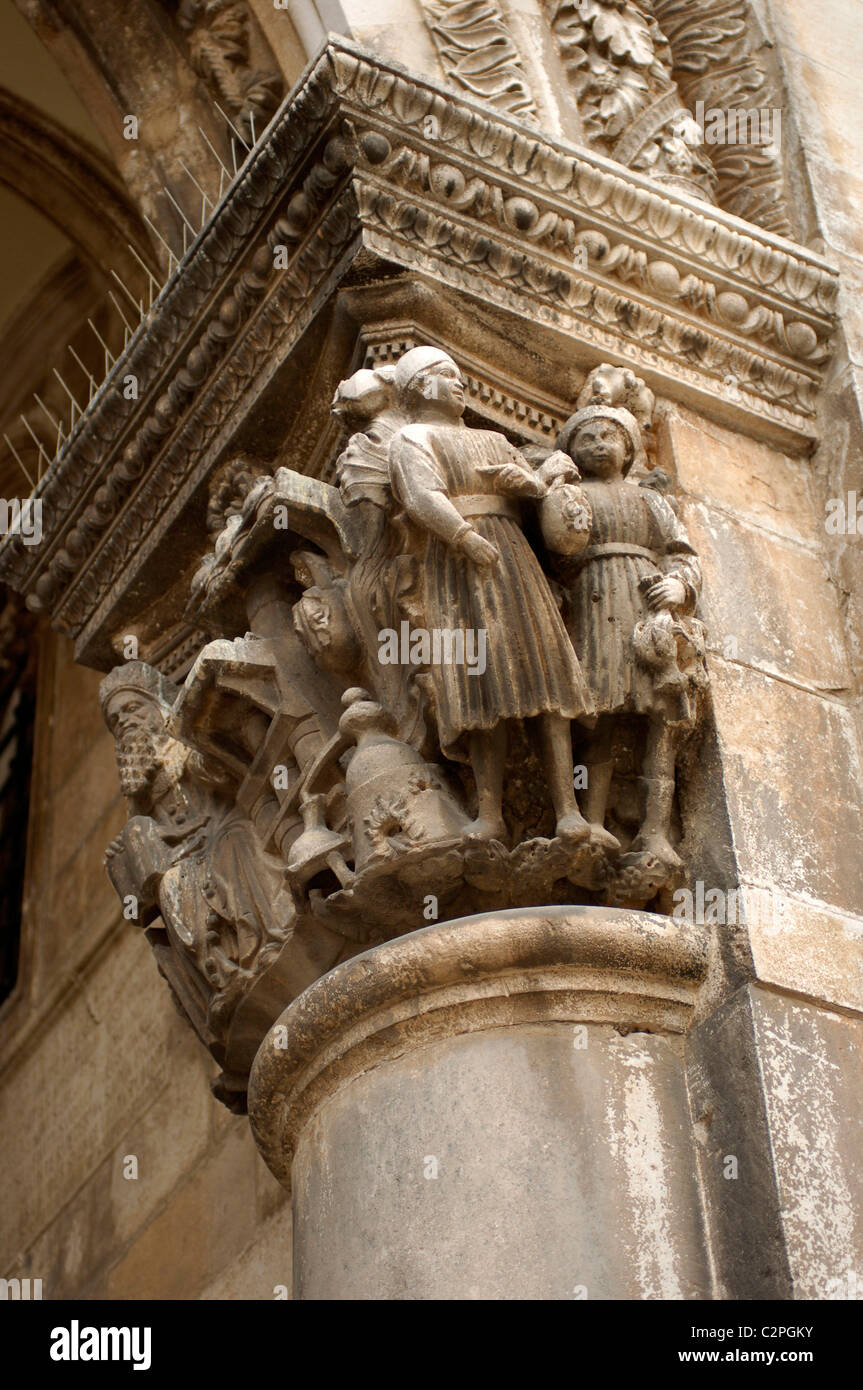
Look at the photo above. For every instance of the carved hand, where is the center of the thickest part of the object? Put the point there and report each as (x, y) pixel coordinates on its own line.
(514, 479)
(479, 550)
(557, 469)
(665, 591)
(116, 847)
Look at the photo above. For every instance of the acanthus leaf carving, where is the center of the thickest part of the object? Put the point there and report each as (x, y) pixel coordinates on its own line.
(370, 182)
(218, 40)
(717, 58)
(477, 53)
(619, 66)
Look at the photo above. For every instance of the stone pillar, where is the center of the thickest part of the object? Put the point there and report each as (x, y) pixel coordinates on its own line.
(492, 1108)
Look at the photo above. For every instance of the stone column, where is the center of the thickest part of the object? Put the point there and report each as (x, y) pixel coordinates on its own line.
(492, 1108)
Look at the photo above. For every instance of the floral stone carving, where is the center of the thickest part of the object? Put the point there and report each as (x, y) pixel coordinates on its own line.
(620, 69)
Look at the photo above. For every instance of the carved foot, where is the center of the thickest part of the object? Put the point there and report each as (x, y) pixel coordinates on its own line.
(573, 828)
(657, 847)
(481, 829)
(603, 839)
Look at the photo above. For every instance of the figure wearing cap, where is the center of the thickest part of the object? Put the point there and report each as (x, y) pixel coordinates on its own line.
(186, 853)
(631, 594)
(461, 488)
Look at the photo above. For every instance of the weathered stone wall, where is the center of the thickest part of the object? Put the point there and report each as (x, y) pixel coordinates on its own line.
(773, 1067)
(821, 48)
(96, 1065)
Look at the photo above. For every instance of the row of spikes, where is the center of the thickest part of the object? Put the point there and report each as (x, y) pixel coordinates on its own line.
(135, 311)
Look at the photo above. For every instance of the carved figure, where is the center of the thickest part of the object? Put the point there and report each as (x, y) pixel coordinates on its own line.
(631, 596)
(188, 853)
(308, 786)
(461, 489)
(366, 402)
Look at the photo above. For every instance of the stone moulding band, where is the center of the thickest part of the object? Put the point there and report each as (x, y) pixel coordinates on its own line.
(633, 970)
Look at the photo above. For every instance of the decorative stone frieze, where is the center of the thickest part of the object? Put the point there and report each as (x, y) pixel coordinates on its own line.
(218, 39)
(414, 669)
(619, 67)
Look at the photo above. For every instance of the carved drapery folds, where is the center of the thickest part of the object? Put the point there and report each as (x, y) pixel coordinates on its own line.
(619, 67)
(402, 679)
(471, 202)
(478, 54)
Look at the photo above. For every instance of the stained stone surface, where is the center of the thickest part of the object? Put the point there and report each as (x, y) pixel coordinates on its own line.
(459, 1117)
(557, 1174)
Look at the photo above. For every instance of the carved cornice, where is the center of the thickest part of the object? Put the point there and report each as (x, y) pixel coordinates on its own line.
(511, 405)
(618, 64)
(363, 156)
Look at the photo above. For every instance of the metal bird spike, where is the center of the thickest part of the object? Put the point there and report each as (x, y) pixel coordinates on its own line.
(75, 405)
(186, 222)
(149, 274)
(94, 385)
(173, 259)
(211, 147)
(43, 453)
(204, 196)
(230, 123)
(127, 328)
(45, 411)
(21, 464)
(109, 356)
(139, 307)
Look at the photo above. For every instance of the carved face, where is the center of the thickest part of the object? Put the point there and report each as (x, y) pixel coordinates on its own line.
(601, 449)
(442, 385)
(136, 721)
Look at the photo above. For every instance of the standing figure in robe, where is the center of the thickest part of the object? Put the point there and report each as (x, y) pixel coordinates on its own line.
(631, 596)
(366, 403)
(461, 489)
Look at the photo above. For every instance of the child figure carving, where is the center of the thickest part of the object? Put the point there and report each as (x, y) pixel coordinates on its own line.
(632, 595)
